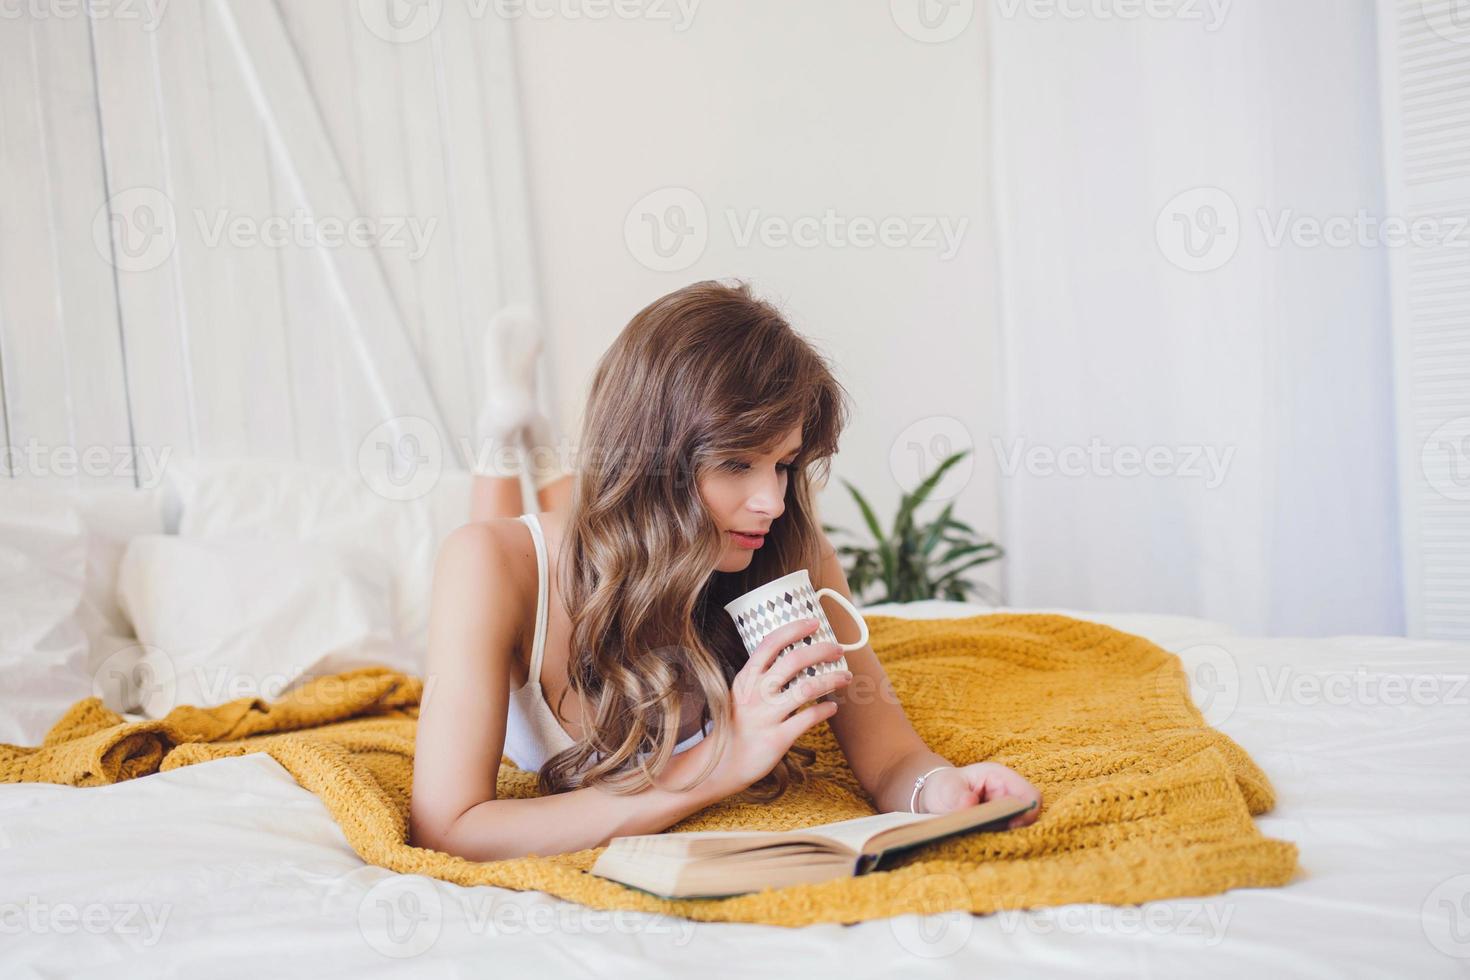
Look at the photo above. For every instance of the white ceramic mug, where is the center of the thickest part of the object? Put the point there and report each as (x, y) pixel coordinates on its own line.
(785, 600)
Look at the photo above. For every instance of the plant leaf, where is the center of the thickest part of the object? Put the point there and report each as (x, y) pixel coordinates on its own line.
(969, 549)
(955, 571)
(885, 551)
(901, 563)
(922, 491)
(937, 528)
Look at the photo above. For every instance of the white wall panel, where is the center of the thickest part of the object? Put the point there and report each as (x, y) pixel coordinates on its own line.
(1425, 54)
(140, 174)
(230, 134)
(65, 411)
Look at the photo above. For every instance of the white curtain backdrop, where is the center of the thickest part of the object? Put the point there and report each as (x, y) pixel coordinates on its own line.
(1198, 411)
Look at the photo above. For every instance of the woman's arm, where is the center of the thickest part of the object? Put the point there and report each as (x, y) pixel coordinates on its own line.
(475, 625)
(880, 744)
(882, 748)
(579, 818)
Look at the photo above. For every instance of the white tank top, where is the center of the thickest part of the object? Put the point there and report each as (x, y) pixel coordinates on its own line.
(532, 733)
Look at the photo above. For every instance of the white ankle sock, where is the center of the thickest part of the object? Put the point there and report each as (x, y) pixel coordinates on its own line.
(510, 348)
(533, 448)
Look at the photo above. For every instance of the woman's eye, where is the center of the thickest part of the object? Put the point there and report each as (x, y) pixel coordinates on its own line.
(737, 466)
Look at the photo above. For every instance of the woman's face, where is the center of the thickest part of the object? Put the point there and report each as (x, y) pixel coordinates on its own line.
(748, 495)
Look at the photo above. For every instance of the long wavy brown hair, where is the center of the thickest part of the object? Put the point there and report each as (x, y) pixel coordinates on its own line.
(704, 375)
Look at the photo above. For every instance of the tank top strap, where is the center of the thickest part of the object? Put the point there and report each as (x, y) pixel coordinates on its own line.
(543, 603)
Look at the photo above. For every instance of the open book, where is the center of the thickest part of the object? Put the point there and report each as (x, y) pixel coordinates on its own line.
(716, 863)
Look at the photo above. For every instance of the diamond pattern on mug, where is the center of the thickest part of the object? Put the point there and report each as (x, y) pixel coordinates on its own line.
(755, 623)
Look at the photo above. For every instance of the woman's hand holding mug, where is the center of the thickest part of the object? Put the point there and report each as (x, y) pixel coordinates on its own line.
(761, 733)
(795, 657)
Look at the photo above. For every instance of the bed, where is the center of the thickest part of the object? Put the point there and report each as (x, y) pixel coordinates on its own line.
(1365, 739)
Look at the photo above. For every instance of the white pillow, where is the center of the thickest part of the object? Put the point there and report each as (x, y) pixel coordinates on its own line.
(43, 648)
(223, 618)
(265, 498)
(113, 516)
(59, 620)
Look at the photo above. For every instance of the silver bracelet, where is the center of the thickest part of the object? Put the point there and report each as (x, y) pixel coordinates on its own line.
(919, 784)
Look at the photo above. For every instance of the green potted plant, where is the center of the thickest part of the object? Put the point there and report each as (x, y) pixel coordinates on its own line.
(916, 560)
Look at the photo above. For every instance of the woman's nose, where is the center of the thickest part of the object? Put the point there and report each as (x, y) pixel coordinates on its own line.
(767, 503)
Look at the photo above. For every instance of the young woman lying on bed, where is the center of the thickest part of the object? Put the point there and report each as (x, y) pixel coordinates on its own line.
(707, 416)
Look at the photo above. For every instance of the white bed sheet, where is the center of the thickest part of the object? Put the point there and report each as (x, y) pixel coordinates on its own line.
(1372, 784)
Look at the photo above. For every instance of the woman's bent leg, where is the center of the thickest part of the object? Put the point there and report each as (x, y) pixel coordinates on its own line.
(556, 495)
(506, 492)
(495, 496)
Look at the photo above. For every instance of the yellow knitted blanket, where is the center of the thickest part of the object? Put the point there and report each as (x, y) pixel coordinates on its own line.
(1141, 799)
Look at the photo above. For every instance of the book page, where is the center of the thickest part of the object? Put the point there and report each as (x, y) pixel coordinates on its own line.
(877, 832)
(855, 833)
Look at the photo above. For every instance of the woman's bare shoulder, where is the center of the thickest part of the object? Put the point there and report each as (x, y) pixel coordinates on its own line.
(497, 552)
(486, 572)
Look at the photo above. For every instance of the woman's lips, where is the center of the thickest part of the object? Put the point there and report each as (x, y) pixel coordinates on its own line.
(751, 541)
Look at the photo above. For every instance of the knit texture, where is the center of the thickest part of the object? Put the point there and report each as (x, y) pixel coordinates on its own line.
(1140, 798)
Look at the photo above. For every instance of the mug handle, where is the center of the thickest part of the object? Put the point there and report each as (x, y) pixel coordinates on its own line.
(862, 640)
